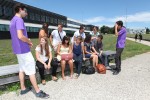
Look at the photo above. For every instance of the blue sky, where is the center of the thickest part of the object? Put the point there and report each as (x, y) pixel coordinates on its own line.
(99, 12)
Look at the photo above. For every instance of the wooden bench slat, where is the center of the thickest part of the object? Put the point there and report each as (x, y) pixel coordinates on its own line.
(9, 70)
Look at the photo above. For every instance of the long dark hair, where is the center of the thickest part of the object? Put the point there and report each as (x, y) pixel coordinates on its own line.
(88, 38)
(45, 27)
(46, 47)
(65, 38)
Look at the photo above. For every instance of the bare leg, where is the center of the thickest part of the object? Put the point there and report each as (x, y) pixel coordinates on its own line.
(63, 64)
(21, 78)
(71, 68)
(34, 83)
(93, 57)
(96, 58)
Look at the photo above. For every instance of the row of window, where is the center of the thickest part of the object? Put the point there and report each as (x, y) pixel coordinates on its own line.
(29, 29)
(37, 17)
(6, 11)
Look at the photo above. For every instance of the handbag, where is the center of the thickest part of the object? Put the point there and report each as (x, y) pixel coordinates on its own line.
(66, 57)
(101, 69)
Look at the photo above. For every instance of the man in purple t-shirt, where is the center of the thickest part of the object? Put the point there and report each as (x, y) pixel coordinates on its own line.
(121, 32)
(21, 47)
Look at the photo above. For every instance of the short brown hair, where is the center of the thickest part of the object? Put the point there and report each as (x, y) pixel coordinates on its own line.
(18, 6)
(81, 27)
(61, 24)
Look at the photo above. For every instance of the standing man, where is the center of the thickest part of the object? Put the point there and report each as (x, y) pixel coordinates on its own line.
(57, 36)
(80, 32)
(121, 32)
(21, 47)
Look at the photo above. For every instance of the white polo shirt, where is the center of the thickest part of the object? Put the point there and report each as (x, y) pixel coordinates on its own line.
(56, 37)
(78, 34)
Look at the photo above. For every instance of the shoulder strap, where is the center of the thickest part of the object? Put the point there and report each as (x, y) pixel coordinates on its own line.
(59, 36)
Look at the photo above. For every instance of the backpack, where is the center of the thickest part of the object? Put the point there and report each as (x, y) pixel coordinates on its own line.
(88, 70)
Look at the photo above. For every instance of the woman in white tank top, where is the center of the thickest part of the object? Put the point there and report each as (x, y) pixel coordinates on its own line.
(65, 48)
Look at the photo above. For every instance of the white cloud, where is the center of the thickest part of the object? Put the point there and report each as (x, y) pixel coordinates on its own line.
(137, 17)
(95, 20)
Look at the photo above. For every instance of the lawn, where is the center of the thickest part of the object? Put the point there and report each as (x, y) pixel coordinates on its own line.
(8, 58)
(131, 49)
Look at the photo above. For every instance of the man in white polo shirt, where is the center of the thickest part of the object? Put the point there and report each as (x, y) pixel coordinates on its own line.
(57, 36)
(80, 32)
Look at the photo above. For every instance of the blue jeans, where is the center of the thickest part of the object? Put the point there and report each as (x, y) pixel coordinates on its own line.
(78, 62)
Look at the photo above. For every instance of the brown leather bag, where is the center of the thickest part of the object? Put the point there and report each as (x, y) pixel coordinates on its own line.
(101, 69)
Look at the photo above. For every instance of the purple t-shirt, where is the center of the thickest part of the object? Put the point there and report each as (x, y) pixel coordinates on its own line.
(18, 46)
(121, 40)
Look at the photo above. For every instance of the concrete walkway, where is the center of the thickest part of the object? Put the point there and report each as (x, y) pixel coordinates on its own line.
(142, 41)
(133, 83)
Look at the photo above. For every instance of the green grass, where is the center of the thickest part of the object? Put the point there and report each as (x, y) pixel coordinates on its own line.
(145, 36)
(109, 41)
(6, 55)
(131, 49)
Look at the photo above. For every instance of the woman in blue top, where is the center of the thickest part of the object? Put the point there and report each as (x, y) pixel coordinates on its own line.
(88, 47)
(78, 54)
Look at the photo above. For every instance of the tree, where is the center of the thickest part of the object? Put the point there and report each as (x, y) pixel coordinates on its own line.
(105, 29)
(147, 30)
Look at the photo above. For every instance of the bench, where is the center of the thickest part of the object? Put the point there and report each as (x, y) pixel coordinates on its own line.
(9, 74)
(108, 56)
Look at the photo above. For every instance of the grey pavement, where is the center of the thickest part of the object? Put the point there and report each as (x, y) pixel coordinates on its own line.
(133, 83)
(142, 41)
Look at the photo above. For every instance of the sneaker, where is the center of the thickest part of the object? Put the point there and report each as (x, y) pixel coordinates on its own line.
(25, 91)
(42, 94)
(77, 76)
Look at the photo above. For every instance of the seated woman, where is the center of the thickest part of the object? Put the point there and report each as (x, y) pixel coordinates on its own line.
(78, 50)
(88, 47)
(65, 48)
(98, 48)
(44, 58)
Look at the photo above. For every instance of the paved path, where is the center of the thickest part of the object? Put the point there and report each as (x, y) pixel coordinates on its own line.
(133, 83)
(142, 41)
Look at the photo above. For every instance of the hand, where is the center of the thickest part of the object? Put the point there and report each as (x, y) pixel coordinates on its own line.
(84, 59)
(30, 43)
(97, 53)
(46, 67)
(49, 66)
(94, 53)
(116, 26)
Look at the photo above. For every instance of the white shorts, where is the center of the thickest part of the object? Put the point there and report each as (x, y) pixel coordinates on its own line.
(26, 63)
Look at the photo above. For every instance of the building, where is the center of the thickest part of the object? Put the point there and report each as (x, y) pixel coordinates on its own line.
(36, 17)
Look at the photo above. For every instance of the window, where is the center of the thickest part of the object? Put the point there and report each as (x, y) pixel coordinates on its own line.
(42, 18)
(59, 21)
(55, 21)
(37, 17)
(7, 11)
(52, 20)
(32, 16)
(4, 27)
(1, 13)
(1, 27)
(47, 19)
